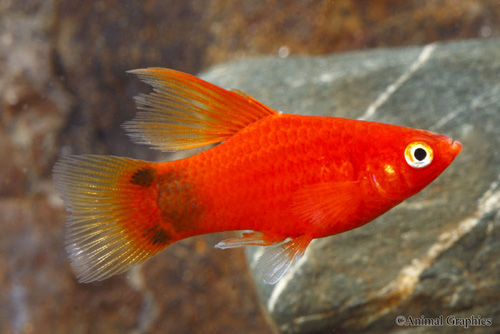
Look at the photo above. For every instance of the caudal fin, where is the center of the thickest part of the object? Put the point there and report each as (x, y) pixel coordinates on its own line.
(113, 222)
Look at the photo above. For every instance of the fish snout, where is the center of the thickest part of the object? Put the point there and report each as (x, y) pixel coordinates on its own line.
(456, 147)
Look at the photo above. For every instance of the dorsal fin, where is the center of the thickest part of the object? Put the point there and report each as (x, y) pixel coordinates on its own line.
(184, 111)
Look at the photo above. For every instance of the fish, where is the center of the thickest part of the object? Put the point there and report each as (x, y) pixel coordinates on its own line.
(281, 179)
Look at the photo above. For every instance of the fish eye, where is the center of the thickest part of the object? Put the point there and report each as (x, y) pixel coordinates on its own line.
(418, 154)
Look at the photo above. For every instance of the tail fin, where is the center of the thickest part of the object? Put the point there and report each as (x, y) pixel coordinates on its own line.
(114, 222)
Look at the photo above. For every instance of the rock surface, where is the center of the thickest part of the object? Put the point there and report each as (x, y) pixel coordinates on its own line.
(435, 254)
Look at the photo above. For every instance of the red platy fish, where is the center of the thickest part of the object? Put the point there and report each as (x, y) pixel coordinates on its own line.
(288, 178)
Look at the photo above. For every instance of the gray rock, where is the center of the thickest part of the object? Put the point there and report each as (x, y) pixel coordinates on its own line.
(435, 254)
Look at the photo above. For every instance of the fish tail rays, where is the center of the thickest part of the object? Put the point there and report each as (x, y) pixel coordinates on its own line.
(114, 221)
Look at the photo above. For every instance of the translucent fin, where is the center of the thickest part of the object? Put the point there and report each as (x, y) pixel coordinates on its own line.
(184, 112)
(327, 202)
(276, 260)
(112, 224)
(249, 239)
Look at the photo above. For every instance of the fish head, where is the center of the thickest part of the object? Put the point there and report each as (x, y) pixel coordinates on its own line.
(402, 161)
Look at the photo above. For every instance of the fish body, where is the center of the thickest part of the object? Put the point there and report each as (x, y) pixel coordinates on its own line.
(288, 178)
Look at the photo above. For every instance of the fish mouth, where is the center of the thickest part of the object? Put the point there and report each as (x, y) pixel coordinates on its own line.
(456, 147)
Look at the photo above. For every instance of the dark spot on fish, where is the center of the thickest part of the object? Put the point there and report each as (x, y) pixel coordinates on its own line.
(158, 236)
(179, 203)
(144, 177)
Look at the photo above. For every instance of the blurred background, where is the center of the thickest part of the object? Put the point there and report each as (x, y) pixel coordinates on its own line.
(64, 90)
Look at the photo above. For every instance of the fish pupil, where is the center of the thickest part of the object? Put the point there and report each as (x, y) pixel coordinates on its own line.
(420, 154)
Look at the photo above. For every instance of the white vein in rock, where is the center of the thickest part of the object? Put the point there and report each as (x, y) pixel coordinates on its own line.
(480, 101)
(404, 285)
(421, 60)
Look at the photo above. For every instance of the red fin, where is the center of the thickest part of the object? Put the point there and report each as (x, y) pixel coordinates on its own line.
(326, 202)
(249, 239)
(114, 222)
(185, 112)
(276, 260)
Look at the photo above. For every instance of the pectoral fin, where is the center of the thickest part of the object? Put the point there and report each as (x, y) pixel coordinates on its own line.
(327, 202)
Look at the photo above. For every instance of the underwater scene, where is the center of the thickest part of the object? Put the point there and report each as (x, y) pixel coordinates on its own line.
(256, 167)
